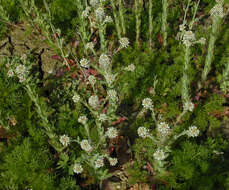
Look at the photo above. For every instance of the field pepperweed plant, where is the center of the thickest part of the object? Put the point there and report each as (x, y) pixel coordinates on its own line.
(114, 94)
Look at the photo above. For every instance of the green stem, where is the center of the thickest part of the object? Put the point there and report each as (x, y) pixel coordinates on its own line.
(186, 11)
(138, 6)
(39, 110)
(121, 13)
(164, 21)
(117, 22)
(150, 23)
(102, 38)
(185, 82)
(194, 15)
(210, 55)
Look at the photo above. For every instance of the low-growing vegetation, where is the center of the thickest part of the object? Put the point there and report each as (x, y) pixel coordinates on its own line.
(114, 94)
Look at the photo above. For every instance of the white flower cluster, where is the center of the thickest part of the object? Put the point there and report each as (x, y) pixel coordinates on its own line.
(130, 67)
(147, 103)
(10, 73)
(20, 69)
(94, 3)
(86, 12)
(90, 45)
(21, 72)
(110, 78)
(65, 140)
(189, 106)
(112, 94)
(202, 41)
(94, 101)
(92, 80)
(113, 161)
(217, 10)
(85, 145)
(99, 14)
(193, 131)
(83, 119)
(112, 133)
(143, 132)
(159, 155)
(84, 63)
(188, 38)
(182, 27)
(76, 98)
(104, 62)
(163, 128)
(77, 168)
(124, 42)
(99, 162)
(102, 117)
(108, 19)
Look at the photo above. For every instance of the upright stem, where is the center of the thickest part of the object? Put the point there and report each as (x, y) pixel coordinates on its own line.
(150, 23)
(225, 83)
(210, 55)
(138, 7)
(185, 83)
(117, 22)
(121, 13)
(164, 21)
(194, 15)
(102, 38)
(186, 11)
(39, 110)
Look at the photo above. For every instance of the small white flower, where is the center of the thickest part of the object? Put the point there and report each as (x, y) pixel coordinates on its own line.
(99, 14)
(130, 67)
(92, 80)
(65, 140)
(21, 78)
(20, 69)
(90, 45)
(217, 11)
(159, 155)
(188, 38)
(124, 42)
(219, 1)
(84, 63)
(85, 13)
(108, 19)
(113, 161)
(76, 98)
(10, 73)
(147, 103)
(85, 145)
(112, 133)
(202, 41)
(94, 101)
(110, 78)
(112, 94)
(193, 131)
(77, 168)
(99, 163)
(83, 119)
(182, 27)
(189, 106)
(163, 128)
(93, 3)
(143, 132)
(104, 61)
(102, 117)
(23, 57)
(189, 35)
